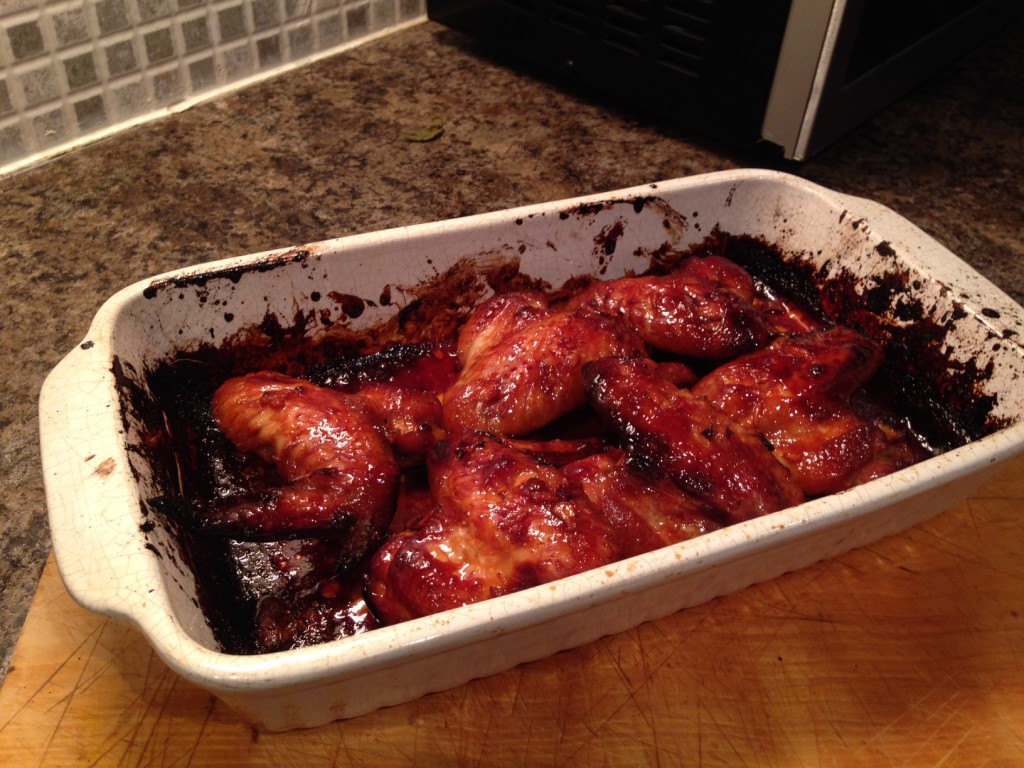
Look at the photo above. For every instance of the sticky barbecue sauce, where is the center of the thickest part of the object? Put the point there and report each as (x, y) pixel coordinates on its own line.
(266, 596)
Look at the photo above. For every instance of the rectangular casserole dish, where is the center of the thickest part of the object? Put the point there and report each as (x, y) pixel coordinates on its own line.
(118, 561)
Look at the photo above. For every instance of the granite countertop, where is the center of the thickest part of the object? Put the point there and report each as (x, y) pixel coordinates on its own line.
(318, 153)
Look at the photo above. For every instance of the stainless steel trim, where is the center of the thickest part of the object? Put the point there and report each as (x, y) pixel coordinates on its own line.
(796, 88)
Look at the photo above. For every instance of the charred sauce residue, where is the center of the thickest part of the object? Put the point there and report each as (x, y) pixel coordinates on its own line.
(234, 274)
(190, 459)
(351, 306)
(609, 236)
(607, 240)
(943, 398)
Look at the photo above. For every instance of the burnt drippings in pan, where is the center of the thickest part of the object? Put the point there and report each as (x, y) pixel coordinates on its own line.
(941, 397)
(348, 371)
(262, 596)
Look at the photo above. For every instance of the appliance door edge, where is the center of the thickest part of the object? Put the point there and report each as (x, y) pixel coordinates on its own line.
(837, 105)
(808, 31)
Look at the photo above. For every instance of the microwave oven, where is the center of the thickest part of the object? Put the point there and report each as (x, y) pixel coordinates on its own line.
(788, 77)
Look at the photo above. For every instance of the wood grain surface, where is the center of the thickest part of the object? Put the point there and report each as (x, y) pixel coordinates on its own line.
(909, 652)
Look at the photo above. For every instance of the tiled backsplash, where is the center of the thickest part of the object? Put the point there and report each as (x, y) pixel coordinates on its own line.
(71, 70)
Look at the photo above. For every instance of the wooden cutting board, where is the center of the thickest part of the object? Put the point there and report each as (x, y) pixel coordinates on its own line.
(906, 652)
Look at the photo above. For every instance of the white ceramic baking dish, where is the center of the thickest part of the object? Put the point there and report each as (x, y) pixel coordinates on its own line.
(96, 480)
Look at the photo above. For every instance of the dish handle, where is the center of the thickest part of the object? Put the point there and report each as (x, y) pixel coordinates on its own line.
(92, 500)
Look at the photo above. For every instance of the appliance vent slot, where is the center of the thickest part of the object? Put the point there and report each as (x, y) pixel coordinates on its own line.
(681, 51)
(672, 33)
(683, 37)
(625, 25)
(699, 10)
(684, 17)
(571, 15)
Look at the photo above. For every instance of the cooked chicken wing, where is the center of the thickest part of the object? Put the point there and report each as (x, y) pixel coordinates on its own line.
(503, 522)
(338, 474)
(521, 364)
(411, 418)
(496, 319)
(797, 394)
(704, 309)
(645, 512)
(720, 463)
(785, 316)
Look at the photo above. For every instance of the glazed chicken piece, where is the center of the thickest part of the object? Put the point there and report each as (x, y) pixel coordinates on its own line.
(411, 418)
(402, 384)
(797, 394)
(645, 512)
(725, 467)
(704, 309)
(521, 364)
(339, 476)
(721, 272)
(503, 522)
(785, 316)
(558, 452)
(495, 319)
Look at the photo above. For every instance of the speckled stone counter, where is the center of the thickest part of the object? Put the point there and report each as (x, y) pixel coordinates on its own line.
(319, 153)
